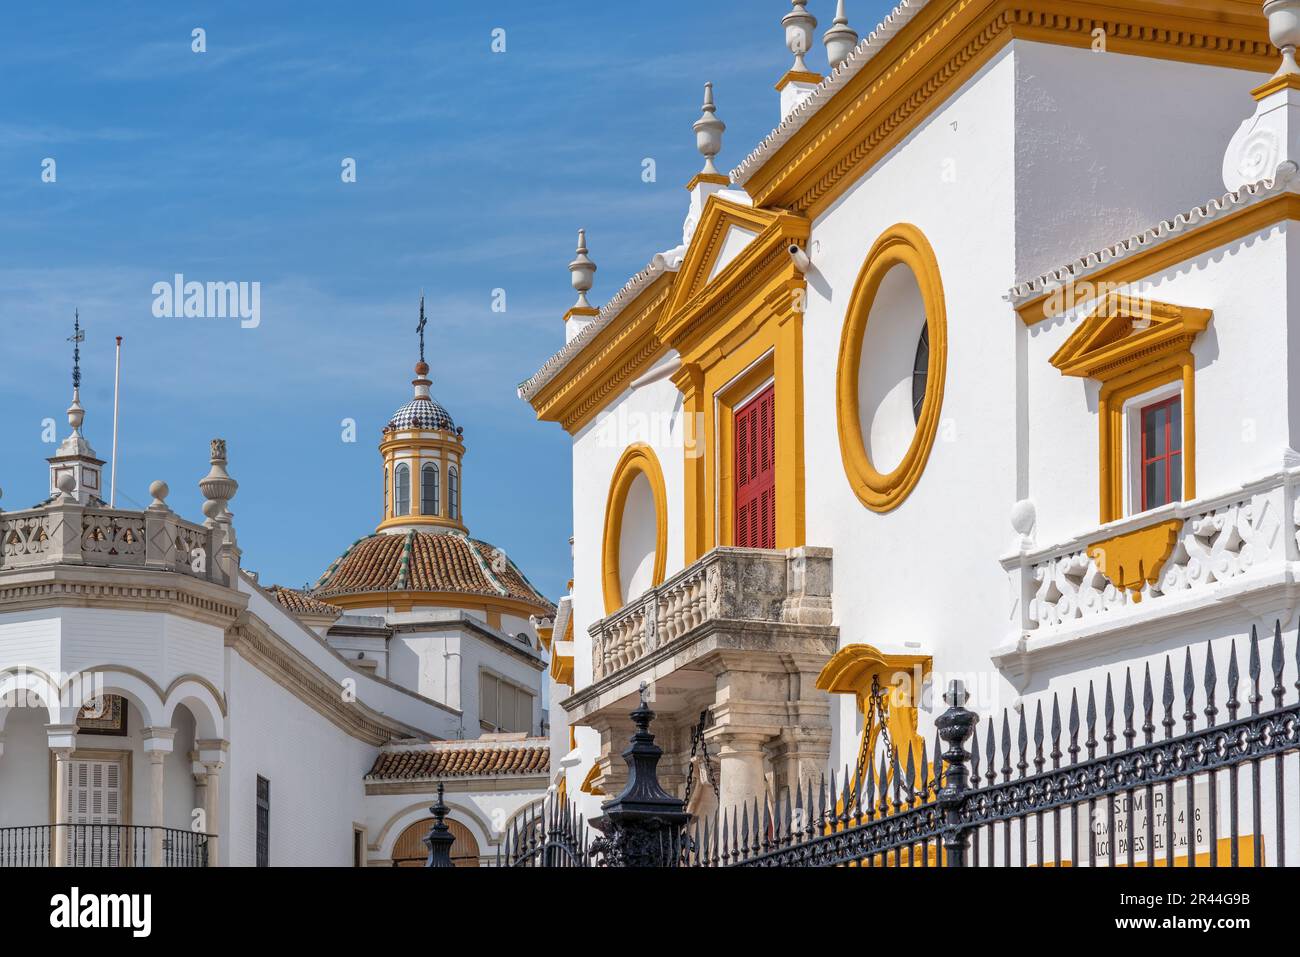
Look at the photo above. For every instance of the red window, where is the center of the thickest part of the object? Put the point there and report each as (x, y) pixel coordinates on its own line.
(1162, 453)
(755, 434)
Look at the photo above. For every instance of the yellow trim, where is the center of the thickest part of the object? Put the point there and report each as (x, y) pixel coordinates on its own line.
(1287, 81)
(901, 244)
(1129, 561)
(797, 76)
(1188, 245)
(411, 446)
(589, 312)
(735, 331)
(589, 782)
(1128, 362)
(716, 178)
(403, 600)
(637, 460)
(947, 43)
(562, 673)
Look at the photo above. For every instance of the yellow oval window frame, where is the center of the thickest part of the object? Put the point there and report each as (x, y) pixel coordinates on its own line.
(636, 460)
(881, 492)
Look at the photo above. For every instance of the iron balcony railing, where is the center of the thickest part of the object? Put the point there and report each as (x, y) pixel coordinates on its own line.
(100, 845)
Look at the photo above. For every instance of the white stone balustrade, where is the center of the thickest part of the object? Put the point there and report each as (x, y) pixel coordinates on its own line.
(736, 584)
(1221, 543)
(154, 538)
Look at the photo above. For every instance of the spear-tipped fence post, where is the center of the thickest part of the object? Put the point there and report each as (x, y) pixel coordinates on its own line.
(955, 726)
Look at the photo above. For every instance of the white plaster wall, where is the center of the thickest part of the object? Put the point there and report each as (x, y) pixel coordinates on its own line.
(25, 769)
(1242, 398)
(1107, 145)
(924, 577)
(315, 770)
(649, 414)
(31, 639)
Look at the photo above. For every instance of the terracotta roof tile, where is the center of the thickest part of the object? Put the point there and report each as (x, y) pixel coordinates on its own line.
(301, 603)
(455, 759)
(427, 561)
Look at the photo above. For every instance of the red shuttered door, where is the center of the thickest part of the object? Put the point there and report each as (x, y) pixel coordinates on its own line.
(756, 472)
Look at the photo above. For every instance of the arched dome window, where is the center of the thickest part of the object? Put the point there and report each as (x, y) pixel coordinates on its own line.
(386, 478)
(453, 493)
(403, 491)
(429, 490)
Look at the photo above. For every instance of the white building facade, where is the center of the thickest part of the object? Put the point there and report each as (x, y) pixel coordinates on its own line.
(971, 369)
(159, 706)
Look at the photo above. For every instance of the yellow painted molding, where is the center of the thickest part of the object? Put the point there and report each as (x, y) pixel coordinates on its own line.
(562, 669)
(604, 366)
(946, 43)
(797, 76)
(715, 178)
(1288, 81)
(1187, 245)
(1135, 558)
(409, 600)
(589, 782)
(1132, 346)
(637, 460)
(589, 312)
(881, 492)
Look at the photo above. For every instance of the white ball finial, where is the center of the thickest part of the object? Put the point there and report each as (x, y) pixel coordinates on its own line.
(1023, 517)
(799, 25)
(708, 132)
(67, 484)
(840, 39)
(582, 272)
(1284, 31)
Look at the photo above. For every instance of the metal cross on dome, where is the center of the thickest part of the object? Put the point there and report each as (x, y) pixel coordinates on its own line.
(420, 326)
(77, 338)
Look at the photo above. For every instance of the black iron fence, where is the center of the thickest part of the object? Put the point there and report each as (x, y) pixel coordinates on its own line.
(100, 845)
(1156, 773)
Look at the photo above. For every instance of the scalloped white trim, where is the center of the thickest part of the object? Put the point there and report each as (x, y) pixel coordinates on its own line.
(862, 54)
(1155, 236)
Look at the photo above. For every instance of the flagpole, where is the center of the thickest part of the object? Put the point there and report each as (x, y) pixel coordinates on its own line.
(117, 380)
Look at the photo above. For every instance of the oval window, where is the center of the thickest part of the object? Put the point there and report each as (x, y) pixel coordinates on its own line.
(893, 353)
(636, 528)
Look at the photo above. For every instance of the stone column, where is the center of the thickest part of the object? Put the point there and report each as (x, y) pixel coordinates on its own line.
(157, 745)
(62, 740)
(212, 754)
(741, 756)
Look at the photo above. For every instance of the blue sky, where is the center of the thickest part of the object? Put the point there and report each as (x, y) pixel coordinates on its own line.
(474, 171)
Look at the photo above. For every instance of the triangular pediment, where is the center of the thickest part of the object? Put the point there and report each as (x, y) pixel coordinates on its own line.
(1124, 332)
(729, 241)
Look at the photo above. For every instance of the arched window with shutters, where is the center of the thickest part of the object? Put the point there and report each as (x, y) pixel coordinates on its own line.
(453, 493)
(429, 489)
(755, 497)
(387, 478)
(403, 490)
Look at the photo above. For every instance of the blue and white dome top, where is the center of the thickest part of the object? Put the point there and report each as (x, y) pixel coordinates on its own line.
(422, 412)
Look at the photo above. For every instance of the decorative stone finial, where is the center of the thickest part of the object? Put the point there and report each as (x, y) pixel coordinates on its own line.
(840, 39)
(582, 272)
(217, 486)
(708, 132)
(67, 484)
(1023, 517)
(159, 491)
(1284, 31)
(799, 25)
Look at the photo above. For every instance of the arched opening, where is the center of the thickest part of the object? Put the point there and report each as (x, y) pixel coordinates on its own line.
(402, 492)
(636, 528)
(409, 850)
(429, 489)
(453, 493)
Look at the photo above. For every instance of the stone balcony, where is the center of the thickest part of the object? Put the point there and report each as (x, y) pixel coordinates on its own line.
(154, 539)
(742, 634)
(1225, 557)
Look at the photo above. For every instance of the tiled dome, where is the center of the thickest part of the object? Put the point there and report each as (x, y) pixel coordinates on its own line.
(422, 413)
(428, 562)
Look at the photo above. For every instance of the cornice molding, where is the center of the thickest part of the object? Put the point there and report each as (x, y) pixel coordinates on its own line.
(261, 647)
(865, 116)
(131, 590)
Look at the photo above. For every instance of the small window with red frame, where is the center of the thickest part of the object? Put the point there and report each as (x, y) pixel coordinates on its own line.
(1162, 453)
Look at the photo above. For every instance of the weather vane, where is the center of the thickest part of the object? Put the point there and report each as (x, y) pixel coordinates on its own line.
(77, 338)
(420, 328)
